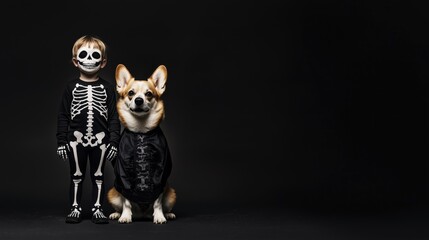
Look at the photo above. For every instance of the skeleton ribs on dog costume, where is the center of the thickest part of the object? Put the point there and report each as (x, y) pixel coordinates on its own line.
(143, 165)
(89, 127)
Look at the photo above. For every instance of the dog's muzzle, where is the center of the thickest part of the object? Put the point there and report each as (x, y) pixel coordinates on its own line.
(139, 110)
(139, 106)
(139, 101)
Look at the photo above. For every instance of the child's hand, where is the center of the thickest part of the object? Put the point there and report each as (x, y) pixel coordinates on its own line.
(112, 151)
(62, 152)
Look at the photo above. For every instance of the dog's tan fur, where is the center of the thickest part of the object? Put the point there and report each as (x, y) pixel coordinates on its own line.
(141, 119)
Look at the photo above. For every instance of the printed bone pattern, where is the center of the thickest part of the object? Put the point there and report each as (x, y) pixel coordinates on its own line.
(92, 98)
(143, 166)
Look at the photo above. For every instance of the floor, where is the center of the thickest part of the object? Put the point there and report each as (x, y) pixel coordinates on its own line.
(233, 223)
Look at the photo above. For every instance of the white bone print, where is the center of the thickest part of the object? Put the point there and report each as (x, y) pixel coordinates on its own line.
(92, 98)
(76, 187)
(98, 182)
(103, 151)
(73, 145)
(75, 213)
(78, 136)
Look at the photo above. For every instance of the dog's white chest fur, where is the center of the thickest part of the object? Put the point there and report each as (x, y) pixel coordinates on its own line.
(141, 124)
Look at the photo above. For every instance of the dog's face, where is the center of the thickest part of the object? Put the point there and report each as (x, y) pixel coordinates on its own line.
(140, 98)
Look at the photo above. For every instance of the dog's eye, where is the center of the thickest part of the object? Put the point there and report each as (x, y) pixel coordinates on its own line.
(148, 94)
(131, 93)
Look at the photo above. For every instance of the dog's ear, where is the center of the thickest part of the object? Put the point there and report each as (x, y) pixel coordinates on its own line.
(123, 76)
(159, 78)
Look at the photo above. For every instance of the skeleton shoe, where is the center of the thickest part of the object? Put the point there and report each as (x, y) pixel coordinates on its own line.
(75, 215)
(98, 216)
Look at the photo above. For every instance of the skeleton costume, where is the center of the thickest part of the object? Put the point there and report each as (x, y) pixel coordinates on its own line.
(142, 166)
(88, 129)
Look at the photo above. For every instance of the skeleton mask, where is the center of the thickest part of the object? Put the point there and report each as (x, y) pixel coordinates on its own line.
(89, 59)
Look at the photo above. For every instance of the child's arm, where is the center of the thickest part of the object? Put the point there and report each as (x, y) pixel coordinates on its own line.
(113, 124)
(63, 119)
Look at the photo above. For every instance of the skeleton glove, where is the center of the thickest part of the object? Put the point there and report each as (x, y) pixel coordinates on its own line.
(112, 151)
(62, 151)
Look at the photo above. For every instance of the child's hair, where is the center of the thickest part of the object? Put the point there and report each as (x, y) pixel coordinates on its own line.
(91, 40)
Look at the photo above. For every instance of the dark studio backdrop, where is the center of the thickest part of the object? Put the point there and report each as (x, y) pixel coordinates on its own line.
(296, 104)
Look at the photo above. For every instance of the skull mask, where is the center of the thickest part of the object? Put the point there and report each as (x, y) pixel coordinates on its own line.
(89, 59)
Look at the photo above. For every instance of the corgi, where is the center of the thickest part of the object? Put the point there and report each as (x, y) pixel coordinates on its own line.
(143, 165)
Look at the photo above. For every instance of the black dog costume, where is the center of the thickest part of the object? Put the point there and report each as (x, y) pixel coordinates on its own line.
(143, 166)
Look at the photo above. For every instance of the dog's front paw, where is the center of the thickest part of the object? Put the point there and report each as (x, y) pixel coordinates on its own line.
(115, 215)
(158, 218)
(125, 219)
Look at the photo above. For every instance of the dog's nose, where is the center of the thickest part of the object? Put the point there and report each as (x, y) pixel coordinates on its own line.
(139, 101)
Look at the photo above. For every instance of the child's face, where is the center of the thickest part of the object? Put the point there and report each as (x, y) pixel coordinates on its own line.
(89, 59)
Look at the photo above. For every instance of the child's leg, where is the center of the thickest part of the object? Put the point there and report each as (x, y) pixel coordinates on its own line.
(97, 158)
(77, 162)
(77, 174)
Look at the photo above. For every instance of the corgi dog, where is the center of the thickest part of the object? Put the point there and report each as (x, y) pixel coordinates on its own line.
(143, 165)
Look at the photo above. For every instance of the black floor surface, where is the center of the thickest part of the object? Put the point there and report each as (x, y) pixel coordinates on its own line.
(233, 223)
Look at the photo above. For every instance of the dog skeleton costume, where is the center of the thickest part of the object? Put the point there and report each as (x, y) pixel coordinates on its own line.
(88, 129)
(143, 166)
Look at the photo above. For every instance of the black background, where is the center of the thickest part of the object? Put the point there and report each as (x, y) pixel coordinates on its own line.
(316, 105)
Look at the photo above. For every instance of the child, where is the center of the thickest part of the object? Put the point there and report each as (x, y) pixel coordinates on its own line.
(88, 126)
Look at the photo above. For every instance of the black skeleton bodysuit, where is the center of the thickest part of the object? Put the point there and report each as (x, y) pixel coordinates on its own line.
(143, 166)
(88, 122)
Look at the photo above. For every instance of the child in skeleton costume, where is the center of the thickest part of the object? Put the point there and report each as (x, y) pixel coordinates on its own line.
(88, 126)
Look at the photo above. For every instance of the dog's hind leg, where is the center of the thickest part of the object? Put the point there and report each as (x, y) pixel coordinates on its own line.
(168, 202)
(116, 200)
